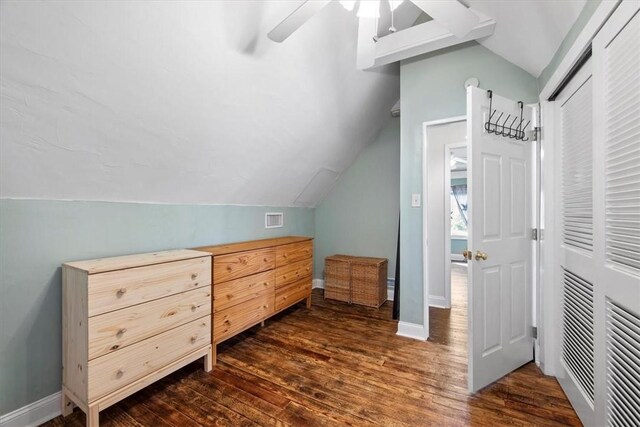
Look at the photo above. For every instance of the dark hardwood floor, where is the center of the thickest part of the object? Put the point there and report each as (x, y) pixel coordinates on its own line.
(343, 365)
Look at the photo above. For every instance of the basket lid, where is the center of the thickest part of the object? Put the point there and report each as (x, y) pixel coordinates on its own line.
(357, 259)
(368, 260)
(340, 257)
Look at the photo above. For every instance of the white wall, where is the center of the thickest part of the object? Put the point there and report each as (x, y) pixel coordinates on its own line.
(180, 102)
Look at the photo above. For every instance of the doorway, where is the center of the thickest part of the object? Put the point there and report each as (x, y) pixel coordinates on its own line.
(449, 325)
(496, 315)
(445, 276)
(456, 218)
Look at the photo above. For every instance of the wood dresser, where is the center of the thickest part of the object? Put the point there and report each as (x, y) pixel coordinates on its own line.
(129, 321)
(255, 280)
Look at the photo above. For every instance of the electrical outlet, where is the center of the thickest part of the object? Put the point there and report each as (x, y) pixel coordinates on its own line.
(415, 200)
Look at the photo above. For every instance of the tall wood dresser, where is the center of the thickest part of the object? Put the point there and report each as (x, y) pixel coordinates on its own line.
(129, 321)
(255, 280)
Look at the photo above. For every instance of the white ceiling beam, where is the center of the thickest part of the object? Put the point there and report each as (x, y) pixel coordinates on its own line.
(420, 39)
(302, 12)
(451, 14)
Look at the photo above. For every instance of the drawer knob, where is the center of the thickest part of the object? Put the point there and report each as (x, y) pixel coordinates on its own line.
(193, 340)
(193, 307)
(121, 292)
(194, 276)
(121, 332)
(120, 373)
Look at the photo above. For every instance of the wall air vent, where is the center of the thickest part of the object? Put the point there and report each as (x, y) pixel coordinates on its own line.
(273, 220)
(577, 332)
(623, 366)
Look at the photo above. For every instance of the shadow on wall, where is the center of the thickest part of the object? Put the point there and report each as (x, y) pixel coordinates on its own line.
(360, 215)
(249, 38)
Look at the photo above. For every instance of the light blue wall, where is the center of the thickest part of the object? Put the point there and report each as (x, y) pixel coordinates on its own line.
(360, 215)
(37, 236)
(431, 88)
(458, 245)
(589, 8)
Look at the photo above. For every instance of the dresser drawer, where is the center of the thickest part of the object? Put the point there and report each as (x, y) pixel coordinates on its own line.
(239, 317)
(241, 264)
(293, 272)
(292, 293)
(123, 288)
(112, 331)
(115, 370)
(238, 291)
(293, 252)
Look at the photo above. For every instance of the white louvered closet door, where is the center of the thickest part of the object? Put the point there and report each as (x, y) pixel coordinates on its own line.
(616, 78)
(577, 272)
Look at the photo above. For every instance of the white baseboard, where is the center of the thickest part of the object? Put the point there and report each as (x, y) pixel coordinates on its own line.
(317, 283)
(412, 330)
(35, 413)
(438, 302)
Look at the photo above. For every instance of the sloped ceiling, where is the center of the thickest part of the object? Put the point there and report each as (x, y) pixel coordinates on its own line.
(181, 102)
(528, 32)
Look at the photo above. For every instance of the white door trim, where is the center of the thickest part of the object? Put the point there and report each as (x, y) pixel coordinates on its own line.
(425, 260)
(447, 221)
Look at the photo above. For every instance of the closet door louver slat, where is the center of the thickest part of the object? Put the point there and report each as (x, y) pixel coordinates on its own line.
(577, 332)
(577, 206)
(622, 142)
(623, 366)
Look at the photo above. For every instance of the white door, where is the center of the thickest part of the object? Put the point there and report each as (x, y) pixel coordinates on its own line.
(574, 172)
(500, 211)
(616, 217)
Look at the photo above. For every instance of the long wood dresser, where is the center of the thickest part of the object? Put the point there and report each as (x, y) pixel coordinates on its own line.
(129, 321)
(255, 280)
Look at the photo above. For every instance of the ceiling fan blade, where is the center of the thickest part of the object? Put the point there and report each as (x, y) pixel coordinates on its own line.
(451, 14)
(295, 19)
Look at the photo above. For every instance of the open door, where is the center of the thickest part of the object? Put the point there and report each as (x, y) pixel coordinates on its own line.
(500, 195)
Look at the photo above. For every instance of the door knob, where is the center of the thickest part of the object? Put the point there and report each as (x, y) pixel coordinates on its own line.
(481, 256)
(468, 255)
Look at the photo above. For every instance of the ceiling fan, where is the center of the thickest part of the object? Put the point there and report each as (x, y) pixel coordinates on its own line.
(451, 14)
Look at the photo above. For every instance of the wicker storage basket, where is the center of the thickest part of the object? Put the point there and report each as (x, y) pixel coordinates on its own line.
(337, 278)
(369, 281)
(358, 280)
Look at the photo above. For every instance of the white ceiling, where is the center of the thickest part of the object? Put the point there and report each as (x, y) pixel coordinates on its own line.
(181, 102)
(528, 32)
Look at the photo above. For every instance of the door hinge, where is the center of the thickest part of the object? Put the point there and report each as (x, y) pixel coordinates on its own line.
(534, 332)
(537, 131)
(537, 234)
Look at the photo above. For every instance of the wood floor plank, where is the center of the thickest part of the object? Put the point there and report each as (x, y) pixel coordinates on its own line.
(340, 364)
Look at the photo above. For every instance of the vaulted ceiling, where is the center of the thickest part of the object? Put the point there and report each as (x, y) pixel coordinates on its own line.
(528, 32)
(190, 102)
(182, 102)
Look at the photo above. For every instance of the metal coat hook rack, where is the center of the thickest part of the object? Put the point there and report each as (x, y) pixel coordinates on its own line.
(506, 127)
